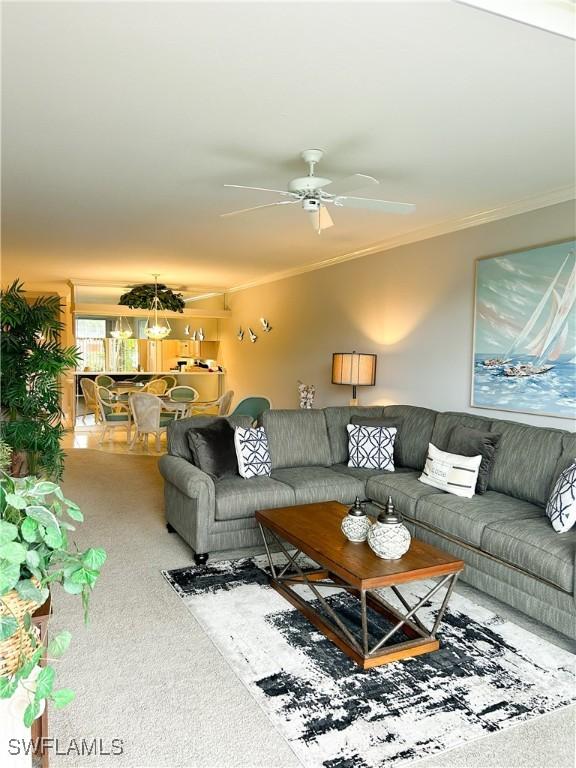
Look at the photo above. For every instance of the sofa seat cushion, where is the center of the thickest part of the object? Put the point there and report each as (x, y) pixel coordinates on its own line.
(403, 486)
(311, 484)
(237, 497)
(466, 519)
(535, 547)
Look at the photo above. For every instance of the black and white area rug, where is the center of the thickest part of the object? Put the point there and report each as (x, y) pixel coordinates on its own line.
(488, 675)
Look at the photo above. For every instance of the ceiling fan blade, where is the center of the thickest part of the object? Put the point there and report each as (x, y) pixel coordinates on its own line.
(385, 206)
(262, 189)
(350, 184)
(256, 207)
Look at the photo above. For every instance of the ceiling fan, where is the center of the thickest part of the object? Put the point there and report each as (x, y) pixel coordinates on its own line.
(314, 193)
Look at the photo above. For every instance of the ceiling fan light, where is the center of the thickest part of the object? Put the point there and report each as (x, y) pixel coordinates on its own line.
(156, 328)
(121, 330)
(157, 332)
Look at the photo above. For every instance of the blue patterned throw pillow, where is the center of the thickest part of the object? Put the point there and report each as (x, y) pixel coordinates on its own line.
(561, 507)
(371, 447)
(252, 452)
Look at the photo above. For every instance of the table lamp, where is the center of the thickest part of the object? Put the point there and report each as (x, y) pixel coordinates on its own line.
(355, 369)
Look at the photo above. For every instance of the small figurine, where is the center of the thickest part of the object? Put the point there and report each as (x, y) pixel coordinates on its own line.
(307, 394)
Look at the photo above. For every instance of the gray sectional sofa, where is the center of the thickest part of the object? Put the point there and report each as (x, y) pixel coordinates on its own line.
(504, 536)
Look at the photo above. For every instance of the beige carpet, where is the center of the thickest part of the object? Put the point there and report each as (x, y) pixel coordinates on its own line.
(144, 672)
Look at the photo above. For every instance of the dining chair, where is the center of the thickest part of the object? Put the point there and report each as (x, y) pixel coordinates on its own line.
(183, 394)
(155, 387)
(88, 388)
(253, 406)
(149, 418)
(102, 380)
(114, 415)
(171, 381)
(221, 405)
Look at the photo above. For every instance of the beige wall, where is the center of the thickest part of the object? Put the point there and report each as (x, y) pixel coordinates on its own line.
(412, 305)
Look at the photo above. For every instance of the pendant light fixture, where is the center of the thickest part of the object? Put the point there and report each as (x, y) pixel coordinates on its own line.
(156, 328)
(122, 329)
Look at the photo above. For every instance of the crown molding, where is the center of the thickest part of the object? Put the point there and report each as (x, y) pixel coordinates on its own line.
(124, 284)
(525, 205)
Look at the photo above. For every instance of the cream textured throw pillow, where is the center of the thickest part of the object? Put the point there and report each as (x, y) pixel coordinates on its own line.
(450, 472)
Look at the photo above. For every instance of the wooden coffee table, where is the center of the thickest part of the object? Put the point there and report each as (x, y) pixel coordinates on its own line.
(314, 530)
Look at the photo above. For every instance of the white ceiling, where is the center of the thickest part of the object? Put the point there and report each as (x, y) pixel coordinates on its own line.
(122, 121)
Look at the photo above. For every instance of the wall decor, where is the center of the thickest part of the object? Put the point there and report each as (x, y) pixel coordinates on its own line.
(307, 394)
(266, 327)
(252, 335)
(200, 336)
(240, 334)
(524, 355)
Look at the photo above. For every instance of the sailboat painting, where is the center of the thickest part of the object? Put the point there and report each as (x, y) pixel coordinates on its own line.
(525, 332)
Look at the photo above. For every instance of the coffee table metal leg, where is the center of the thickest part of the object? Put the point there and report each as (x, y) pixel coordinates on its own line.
(410, 613)
(267, 548)
(444, 605)
(364, 619)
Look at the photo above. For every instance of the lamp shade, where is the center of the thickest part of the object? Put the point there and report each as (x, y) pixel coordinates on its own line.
(354, 368)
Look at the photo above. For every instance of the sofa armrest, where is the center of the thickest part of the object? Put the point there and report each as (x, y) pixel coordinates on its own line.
(189, 480)
(189, 501)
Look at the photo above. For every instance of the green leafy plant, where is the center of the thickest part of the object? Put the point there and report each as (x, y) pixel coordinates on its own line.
(5, 455)
(35, 554)
(32, 363)
(141, 297)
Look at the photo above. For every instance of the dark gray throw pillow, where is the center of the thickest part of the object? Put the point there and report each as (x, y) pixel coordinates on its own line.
(213, 450)
(466, 441)
(382, 421)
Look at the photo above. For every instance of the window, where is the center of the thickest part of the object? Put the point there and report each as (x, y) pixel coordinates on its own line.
(99, 353)
(89, 328)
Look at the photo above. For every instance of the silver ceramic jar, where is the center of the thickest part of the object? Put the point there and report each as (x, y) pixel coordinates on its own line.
(356, 524)
(389, 538)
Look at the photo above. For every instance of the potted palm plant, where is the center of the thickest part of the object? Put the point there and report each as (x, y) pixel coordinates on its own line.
(33, 361)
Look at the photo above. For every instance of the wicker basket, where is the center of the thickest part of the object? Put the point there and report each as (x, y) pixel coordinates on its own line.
(19, 645)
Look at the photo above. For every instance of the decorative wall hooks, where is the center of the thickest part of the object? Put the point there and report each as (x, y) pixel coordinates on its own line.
(252, 335)
(266, 327)
(240, 334)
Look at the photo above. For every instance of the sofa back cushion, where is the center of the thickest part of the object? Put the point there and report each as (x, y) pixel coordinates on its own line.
(414, 433)
(567, 457)
(337, 419)
(525, 461)
(177, 432)
(297, 438)
(445, 423)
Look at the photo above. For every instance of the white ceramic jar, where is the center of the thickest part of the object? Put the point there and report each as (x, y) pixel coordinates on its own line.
(356, 524)
(389, 538)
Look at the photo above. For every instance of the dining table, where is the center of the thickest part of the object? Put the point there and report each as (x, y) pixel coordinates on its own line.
(181, 406)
